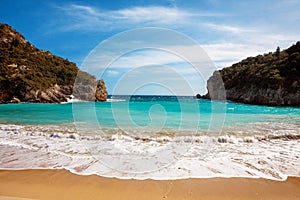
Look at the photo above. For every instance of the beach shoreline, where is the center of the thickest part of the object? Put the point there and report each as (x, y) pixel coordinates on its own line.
(62, 184)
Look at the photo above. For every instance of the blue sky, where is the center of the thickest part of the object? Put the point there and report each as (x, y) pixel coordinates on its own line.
(228, 31)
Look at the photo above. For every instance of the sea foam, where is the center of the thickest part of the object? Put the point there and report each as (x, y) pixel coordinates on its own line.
(273, 153)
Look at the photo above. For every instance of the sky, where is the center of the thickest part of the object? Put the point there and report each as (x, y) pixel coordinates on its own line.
(101, 37)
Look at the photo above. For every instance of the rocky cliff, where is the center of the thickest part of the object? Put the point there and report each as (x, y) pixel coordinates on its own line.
(28, 74)
(269, 79)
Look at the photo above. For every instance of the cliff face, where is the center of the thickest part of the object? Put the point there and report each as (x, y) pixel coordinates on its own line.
(28, 74)
(269, 79)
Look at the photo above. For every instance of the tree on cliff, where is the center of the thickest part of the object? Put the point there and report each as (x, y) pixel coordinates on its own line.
(277, 52)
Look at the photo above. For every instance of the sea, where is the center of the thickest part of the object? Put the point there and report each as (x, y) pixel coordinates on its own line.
(152, 137)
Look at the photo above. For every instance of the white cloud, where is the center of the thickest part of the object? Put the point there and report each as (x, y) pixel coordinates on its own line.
(158, 76)
(225, 54)
(221, 55)
(112, 72)
(227, 43)
(200, 24)
(84, 9)
(150, 14)
(82, 17)
(226, 28)
(185, 60)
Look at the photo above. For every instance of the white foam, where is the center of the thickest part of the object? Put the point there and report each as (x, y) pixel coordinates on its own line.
(116, 100)
(176, 157)
(72, 99)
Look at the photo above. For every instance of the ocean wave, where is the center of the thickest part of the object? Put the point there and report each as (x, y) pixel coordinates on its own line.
(72, 99)
(116, 100)
(273, 153)
(148, 135)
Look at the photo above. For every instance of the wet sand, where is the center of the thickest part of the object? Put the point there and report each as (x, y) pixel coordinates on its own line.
(61, 184)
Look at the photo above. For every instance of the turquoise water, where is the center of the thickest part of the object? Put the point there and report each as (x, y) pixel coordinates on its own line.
(146, 137)
(148, 111)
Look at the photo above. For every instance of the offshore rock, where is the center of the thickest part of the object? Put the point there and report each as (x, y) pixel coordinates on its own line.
(87, 88)
(101, 93)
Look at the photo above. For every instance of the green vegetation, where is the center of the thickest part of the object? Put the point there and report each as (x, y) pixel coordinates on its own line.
(24, 67)
(272, 70)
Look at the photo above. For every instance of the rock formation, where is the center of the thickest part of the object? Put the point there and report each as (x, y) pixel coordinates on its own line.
(87, 88)
(28, 74)
(101, 93)
(269, 79)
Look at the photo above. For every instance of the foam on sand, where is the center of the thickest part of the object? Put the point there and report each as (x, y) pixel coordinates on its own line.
(273, 154)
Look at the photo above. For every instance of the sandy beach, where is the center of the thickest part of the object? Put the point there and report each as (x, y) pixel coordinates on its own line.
(61, 184)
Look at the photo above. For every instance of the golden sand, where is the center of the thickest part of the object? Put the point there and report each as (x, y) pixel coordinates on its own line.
(61, 184)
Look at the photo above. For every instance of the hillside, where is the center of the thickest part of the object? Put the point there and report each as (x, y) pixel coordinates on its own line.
(28, 74)
(269, 79)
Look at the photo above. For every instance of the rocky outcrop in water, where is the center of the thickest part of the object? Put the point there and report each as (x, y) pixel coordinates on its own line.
(101, 92)
(269, 79)
(28, 74)
(87, 88)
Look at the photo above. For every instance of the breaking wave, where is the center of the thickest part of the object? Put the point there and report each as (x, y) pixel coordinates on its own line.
(265, 150)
